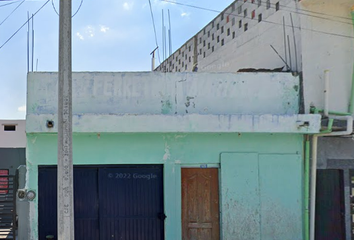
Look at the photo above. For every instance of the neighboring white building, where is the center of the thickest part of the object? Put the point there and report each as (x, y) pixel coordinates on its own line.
(12, 156)
(12, 133)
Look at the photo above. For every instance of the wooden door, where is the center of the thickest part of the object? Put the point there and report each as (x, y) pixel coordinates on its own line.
(200, 204)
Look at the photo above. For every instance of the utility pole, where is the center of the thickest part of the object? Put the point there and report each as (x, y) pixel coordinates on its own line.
(65, 157)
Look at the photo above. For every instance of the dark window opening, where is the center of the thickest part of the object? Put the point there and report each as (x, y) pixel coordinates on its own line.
(268, 4)
(246, 27)
(245, 13)
(9, 128)
(277, 6)
(228, 32)
(233, 35)
(260, 18)
(240, 24)
(222, 42)
(253, 14)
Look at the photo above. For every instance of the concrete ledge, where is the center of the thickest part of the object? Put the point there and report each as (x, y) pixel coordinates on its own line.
(191, 123)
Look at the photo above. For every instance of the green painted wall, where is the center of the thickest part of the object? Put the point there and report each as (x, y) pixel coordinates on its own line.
(183, 150)
(266, 201)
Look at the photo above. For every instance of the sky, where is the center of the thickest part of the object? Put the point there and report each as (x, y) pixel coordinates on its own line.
(107, 35)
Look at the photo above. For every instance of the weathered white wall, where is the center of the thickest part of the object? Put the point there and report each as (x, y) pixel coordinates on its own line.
(324, 41)
(242, 48)
(169, 94)
(13, 139)
(172, 102)
(251, 49)
(327, 43)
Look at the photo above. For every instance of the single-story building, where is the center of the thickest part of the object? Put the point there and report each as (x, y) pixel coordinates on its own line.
(173, 156)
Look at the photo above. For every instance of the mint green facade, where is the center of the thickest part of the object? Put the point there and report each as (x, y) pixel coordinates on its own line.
(238, 156)
(246, 125)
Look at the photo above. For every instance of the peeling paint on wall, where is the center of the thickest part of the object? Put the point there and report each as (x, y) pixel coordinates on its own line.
(158, 93)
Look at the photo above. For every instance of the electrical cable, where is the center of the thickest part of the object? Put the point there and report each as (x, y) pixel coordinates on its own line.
(12, 12)
(266, 21)
(319, 13)
(153, 23)
(6, 4)
(270, 6)
(24, 24)
(73, 14)
(313, 16)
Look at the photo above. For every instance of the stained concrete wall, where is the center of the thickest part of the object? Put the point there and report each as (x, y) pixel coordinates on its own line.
(240, 37)
(169, 94)
(176, 151)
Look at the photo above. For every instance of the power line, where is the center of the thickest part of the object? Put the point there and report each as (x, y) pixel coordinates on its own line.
(266, 21)
(153, 23)
(73, 14)
(24, 24)
(12, 12)
(6, 4)
(319, 13)
(319, 17)
(296, 11)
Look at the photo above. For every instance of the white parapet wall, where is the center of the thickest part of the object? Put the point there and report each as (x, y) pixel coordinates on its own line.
(169, 94)
(173, 102)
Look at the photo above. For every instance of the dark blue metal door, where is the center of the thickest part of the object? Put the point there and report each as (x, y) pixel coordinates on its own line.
(124, 203)
(86, 203)
(131, 203)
